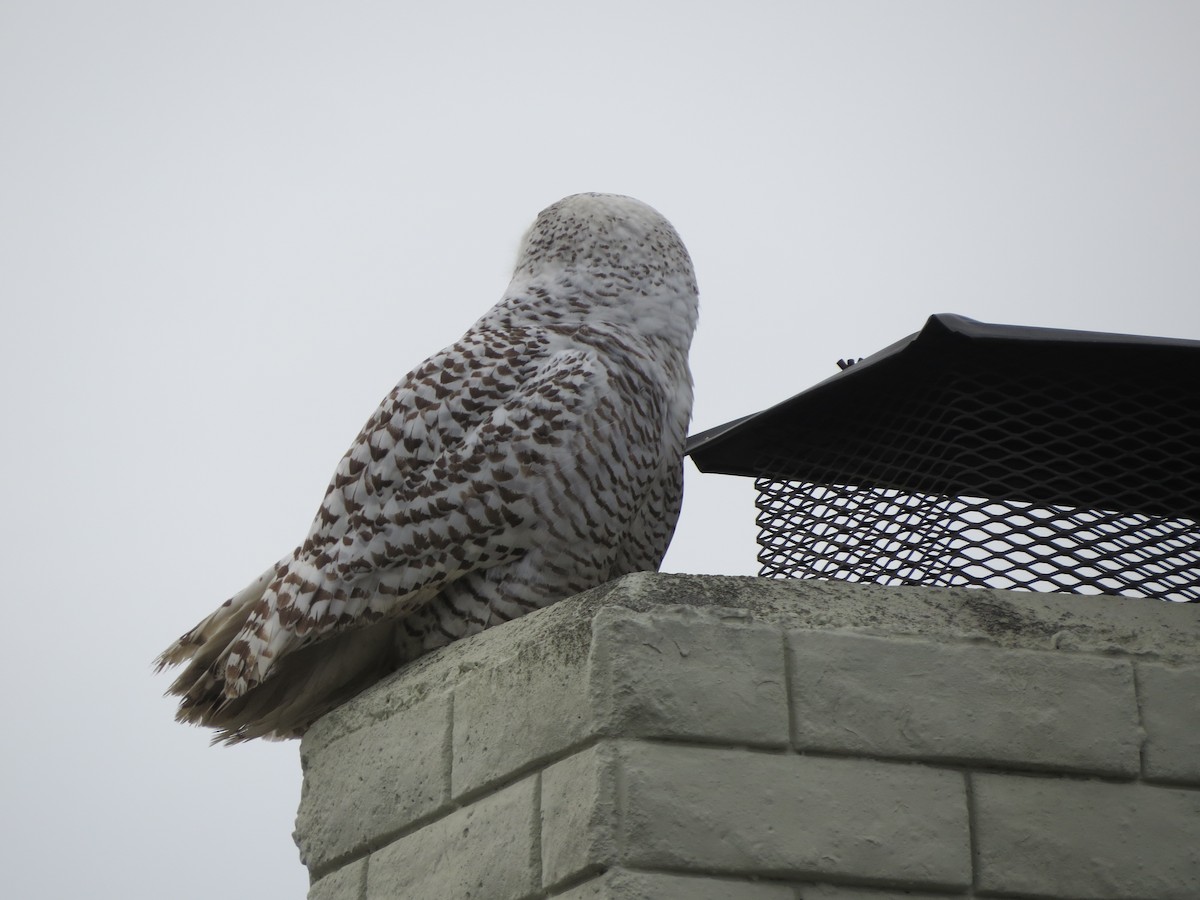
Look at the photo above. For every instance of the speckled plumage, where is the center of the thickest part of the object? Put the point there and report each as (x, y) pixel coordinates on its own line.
(539, 456)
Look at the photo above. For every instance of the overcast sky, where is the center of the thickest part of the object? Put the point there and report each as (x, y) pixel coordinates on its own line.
(227, 229)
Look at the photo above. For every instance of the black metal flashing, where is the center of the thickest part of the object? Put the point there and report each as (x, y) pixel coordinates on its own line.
(964, 408)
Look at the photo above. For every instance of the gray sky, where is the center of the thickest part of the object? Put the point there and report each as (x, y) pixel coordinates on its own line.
(227, 229)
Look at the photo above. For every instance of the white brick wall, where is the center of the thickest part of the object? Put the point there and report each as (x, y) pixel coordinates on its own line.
(697, 738)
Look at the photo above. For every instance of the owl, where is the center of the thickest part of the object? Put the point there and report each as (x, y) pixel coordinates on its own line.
(540, 455)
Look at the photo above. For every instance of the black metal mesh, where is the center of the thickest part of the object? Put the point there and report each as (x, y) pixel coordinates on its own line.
(999, 469)
(884, 536)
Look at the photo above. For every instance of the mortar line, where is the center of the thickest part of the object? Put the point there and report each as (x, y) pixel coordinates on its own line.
(989, 642)
(620, 800)
(583, 876)
(535, 849)
(1015, 768)
(800, 879)
(787, 690)
(448, 750)
(1138, 700)
(452, 805)
(466, 798)
(972, 827)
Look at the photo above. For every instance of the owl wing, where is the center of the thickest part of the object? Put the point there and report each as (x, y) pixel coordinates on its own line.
(430, 491)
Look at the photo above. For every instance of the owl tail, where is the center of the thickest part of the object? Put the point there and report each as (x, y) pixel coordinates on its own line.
(212, 634)
(304, 684)
(302, 687)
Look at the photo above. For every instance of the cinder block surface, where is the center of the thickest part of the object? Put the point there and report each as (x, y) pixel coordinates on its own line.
(645, 725)
(485, 850)
(517, 709)
(906, 697)
(374, 781)
(831, 892)
(709, 675)
(1086, 840)
(622, 885)
(746, 812)
(1171, 716)
(578, 814)
(1168, 632)
(347, 883)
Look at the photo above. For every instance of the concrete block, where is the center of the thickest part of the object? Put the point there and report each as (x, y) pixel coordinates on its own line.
(619, 884)
(539, 692)
(375, 780)
(578, 814)
(832, 892)
(1168, 632)
(1170, 700)
(732, 811)
(346, 883)
(709, 675)
(517, 710)
(906, 697)
(596, 889)
(1087, 840)
(484, 851)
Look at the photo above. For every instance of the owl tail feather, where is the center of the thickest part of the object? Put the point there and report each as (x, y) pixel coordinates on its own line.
(212, 634)
(303, 685)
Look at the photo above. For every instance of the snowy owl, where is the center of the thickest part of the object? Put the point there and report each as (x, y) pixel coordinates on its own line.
(539, 456)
